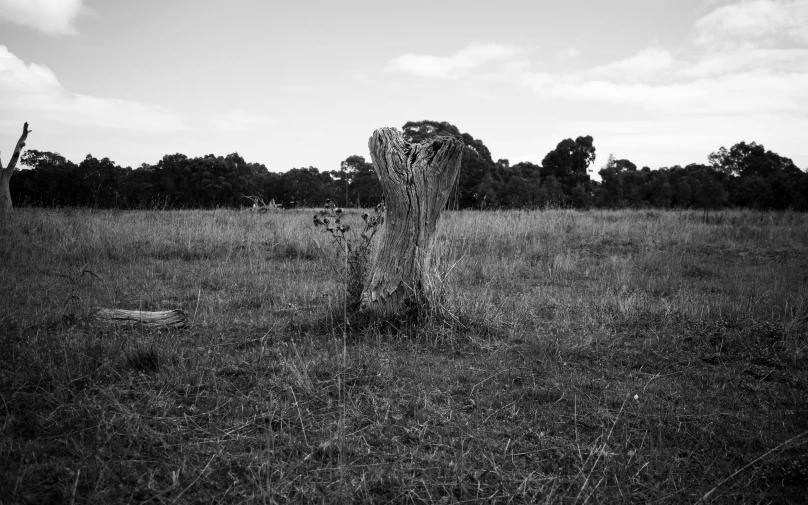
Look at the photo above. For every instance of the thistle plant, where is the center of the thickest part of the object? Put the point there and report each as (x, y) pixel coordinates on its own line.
(353, 247)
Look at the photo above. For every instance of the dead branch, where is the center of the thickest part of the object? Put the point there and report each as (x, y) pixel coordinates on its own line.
(158, 319)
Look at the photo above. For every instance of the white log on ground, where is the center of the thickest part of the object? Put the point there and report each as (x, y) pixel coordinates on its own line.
(417, 180)
(155, 319)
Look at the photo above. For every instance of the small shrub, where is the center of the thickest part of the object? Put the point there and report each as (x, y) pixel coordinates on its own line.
(354, 247)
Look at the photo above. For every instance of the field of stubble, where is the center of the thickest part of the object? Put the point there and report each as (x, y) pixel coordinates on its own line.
(580, 357)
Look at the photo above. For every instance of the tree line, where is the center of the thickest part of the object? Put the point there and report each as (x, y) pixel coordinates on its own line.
(746, 175)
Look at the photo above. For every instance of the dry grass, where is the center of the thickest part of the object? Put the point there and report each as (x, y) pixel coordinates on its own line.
(586, 357)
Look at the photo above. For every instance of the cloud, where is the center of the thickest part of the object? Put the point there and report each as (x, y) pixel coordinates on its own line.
(568, 53)
(459, 64)
(53, 17)
(722, 79)
(33, 93)
(746, 73)
(754, 21)
(648, 63)
(737, 94)
(16, 75)
(240, 120)
(745, 59)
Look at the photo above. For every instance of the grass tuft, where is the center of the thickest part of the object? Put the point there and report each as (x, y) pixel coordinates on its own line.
(144, 360)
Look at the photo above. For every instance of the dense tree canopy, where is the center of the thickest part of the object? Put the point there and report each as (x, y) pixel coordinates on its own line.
(749, 160)
(362, 187)
(569, 160)
(745, 175)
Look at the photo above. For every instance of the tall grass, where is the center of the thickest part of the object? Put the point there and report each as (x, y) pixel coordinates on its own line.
(578, 270)
(589, 357)
(216, 263)
(518, 264)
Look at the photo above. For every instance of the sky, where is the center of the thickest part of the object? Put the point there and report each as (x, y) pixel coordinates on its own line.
(305, 83)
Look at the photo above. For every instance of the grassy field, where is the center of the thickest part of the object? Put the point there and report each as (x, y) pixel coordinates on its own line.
(582, 357)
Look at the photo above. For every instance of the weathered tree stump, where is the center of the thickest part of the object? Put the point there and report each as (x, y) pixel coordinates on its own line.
(417, 180)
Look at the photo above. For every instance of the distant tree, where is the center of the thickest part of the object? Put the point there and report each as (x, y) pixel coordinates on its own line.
(475, 166)
(307, 187)
(682, 189)
(39, 159)
(6, 173)
(205, 182)
(173, 181)
(142, 188)
(567, 165)
(51, 181)
(746, 175)
(694, 186)
(488, 192)
(801, 192)
(708, 186)
(752, 192)
(569, 160)
(242, 179)
(364, 188)
(98, 182)
(625, 166)
(660, 192)
(759, 178)
(612, 191)
(416, 131)
(746, 160)
(271, 187)
(522, 185)
(554, 193)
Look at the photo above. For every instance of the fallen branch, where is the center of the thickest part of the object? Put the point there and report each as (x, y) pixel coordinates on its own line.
(158, 319)
(262, 207)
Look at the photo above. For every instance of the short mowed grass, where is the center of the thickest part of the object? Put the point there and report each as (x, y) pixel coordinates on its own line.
(575, 357)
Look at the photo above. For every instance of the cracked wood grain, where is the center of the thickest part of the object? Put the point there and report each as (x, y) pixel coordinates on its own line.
(417, 180)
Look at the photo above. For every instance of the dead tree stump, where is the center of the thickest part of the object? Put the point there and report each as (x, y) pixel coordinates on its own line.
(417, 180)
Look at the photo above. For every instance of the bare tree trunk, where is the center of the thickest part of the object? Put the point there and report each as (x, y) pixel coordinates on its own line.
(417, 180)
(5, 176)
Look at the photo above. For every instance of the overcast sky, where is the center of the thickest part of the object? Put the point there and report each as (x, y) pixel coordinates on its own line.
(305, 83)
